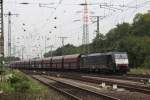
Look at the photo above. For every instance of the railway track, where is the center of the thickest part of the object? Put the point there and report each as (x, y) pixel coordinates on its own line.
(74, 91)
(135, 78)
(122, 95)
(126, 84)
(129, 85)
(132, 86)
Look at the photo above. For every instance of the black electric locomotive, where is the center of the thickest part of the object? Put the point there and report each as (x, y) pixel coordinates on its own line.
(105, 62)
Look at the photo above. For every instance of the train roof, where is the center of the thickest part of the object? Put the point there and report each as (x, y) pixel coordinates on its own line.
(71, 56)
(108, 53)
(34, 60)
(49, 58)
(117, 52)
(57, 57)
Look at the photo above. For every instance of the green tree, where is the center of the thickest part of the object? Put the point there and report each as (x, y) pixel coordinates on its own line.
(138, 49)
(141, 25)
(66, 50)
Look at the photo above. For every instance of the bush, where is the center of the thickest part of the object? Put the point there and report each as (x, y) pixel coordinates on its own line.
(19, 82)
(139, 71)
(14, 79)
(22, 87)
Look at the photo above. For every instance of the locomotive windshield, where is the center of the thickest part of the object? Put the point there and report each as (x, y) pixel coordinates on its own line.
(121, 58)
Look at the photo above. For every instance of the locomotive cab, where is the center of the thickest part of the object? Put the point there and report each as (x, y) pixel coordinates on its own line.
(121, 62)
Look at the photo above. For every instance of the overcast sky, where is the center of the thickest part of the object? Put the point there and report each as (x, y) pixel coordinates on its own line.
(35, 24)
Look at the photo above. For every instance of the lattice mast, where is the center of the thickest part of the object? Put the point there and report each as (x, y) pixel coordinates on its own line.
(85, 38)
(1, 30)
(9, 31)
(85, 24)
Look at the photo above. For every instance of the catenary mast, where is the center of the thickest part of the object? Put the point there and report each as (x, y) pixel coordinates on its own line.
(1, 30)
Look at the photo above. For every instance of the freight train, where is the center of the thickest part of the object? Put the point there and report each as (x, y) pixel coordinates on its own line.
(116, 62)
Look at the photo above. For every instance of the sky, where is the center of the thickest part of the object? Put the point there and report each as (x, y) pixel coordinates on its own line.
(40, 23)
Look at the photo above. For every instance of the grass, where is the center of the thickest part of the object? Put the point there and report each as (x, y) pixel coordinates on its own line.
(16, 81)
(6, 87)
(19, 86)
(140, 71)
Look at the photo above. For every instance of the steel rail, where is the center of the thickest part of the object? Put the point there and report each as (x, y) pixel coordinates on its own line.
(103, 96)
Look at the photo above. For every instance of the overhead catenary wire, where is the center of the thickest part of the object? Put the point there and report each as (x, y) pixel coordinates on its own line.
(108, 14)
